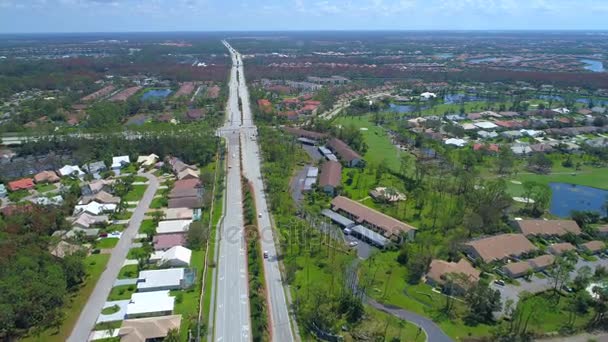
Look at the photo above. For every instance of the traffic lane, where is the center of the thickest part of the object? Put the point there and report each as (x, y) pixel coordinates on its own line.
(92, 309)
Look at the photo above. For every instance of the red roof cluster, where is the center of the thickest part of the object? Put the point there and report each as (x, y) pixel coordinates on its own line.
(21, 184)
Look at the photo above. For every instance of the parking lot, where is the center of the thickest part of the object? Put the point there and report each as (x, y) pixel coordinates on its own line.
(537, 284)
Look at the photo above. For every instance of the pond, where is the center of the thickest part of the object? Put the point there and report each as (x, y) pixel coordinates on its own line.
(593, 65)
(457, 98)
(399, 108)
(567, 197)
(156, 94)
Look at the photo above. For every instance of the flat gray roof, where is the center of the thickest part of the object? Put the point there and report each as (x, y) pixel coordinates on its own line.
(337, 218)
(313, 172)
(325, 150)
(331, 157)
(371, 235)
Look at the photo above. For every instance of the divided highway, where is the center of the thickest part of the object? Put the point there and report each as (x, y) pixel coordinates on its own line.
(232, 301)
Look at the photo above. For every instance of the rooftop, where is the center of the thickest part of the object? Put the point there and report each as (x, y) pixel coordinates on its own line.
(501, 246)
(143, 303)
(145, 329)
(548, 227)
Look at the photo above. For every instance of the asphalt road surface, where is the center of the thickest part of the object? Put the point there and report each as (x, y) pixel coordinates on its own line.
(92, 309)
(232, 322)
(280, 326)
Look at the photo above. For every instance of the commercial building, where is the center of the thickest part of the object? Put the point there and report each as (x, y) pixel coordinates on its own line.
(389, 227)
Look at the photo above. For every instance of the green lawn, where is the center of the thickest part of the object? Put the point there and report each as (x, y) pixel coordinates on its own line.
(122, 292)
(158, 203)
(129, 271)
(110, 310)
(146, 226)
(45, 187)
(115, 228)
(550, 314)
(188, 305)
(136, 194)
(593, 177)
(379, 145)
(125, 215)
(95, 265)
(386, 281)
(106, 243)
(140, 179)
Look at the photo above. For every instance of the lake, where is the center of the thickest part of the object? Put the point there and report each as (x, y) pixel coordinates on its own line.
(401, 108)
(156, 94)
(593, 65)
(567, 197)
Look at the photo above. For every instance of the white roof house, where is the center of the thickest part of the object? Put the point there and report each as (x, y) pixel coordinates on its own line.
(55, 200)
(175, 257)
(467, 126)
(147, 160)
(485, 124)
(156, 280)
(173, 226)
(120, 161)
(95, 208)
(428, 95)
(531, 132)
(156, 303)
(71, 170)
(562, 110)
(456, 142)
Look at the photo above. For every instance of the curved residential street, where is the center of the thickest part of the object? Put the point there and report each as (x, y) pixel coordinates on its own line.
(92, 309)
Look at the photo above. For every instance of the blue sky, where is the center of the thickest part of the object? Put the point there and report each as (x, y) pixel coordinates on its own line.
(220, 15)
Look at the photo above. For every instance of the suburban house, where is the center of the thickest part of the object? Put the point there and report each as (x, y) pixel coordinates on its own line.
(120, 162)
(331, 176)
(499, 247)
(46, 177)
(164, 242)
(178, 166)
(71, 170)
(560, 248)
(165, 279)
(179, 214)
(187, 174)
(370, 218)
(86, 220)
(43, 200)
(95, 208)
(301, 133)
(185, 192)
(148, 329)
(21, 184)
(185, 202)
(95, 168)
(593, 247)
(346, 154)
(547, 228)
(147, 304)
(62, 249)
(3, 192)
(101, 197)
(187, 184)
(147, 160)
(521, 268)
(173, 226)
(97, 186)
(440, 270)
(176, 256)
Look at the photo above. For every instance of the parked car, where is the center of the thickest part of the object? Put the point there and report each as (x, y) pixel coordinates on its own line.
(499, 282)
(265, 254)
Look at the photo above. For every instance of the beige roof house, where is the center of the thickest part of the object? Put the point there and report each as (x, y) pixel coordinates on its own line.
(63, 249)
(594, 246)
(548, 227)
(145, 329)
(101, 197)
(560, 248)
(147, 160)
(46, 177)
(499, 247)
(187, 174)
(440, 269)
(374, 219)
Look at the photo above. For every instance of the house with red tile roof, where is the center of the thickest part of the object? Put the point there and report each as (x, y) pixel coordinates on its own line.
(21, 184)
(265, 105)
(490, 148)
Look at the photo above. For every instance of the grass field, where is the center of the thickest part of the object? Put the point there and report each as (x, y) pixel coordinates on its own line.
(106, 243)
(129, 271)
(136, 194)
(386, 281)
(122, 292)
(379, 144)
(45, 187)
(95, 265)
(187, 306)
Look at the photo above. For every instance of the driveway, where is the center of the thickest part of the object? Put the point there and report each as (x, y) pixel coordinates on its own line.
(118, 315)
(122, 282)
(433, 332)
(92, 309)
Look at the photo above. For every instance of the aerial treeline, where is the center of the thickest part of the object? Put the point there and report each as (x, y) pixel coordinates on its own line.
(34, 285)
(191, 147)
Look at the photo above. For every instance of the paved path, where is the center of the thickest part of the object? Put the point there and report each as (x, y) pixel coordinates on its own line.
(433, 332)
(93, 307)
(123, 282)
(118, 315)
(278, 305)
